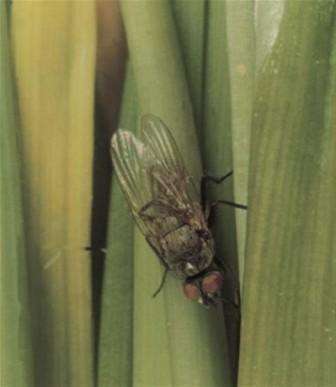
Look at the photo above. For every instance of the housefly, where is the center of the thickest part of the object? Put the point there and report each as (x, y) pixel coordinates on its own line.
(166, 206)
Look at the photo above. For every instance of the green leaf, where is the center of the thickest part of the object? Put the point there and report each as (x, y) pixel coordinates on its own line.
(16, 368)
(241, 61)
(217, 157)
(190, 21)
(116, 328)
(216, 137)
(289, 311)
(176, 342)
(268, 16)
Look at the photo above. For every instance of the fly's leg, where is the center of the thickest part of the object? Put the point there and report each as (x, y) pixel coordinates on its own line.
(163, 280)
(227, 202)
(154, 246)
(210, 209)
(204, 184)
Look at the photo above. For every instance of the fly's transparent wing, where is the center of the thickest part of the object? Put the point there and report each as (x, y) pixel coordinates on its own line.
(132, 160)
(171, 175)
(153, 178)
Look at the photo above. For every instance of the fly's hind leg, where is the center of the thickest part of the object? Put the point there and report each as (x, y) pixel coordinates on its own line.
(204, 184)
(209, 208)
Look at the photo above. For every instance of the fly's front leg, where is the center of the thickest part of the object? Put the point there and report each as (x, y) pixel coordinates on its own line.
(156, 247)
(163, 280)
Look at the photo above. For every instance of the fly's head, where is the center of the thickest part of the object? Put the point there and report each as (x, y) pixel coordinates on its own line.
(205, 289)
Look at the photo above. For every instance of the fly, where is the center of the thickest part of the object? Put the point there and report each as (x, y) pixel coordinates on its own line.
(166, 206)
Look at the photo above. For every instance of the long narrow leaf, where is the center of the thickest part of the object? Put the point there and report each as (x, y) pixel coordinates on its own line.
(176, 342)
(190, 20)
(240, 28)
(202, 57)
(54, 52)
(16, 366)
(116, 334)
(218, 160)
(110, 69)
(289, 317)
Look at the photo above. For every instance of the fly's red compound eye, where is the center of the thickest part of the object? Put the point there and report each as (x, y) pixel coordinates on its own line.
(212, 283)
(191, 291)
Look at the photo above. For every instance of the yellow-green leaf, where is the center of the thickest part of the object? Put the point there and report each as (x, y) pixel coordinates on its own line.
(54, 49)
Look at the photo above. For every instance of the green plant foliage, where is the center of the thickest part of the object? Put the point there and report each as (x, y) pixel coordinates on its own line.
(190, 22)
(289, 313)
(116, 329)
(16, 368)
(241, 69)
(248, 86)
(176, 342)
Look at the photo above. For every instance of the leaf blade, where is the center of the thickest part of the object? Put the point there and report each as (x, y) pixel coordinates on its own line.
(54, 54)
(194, 338)
(15, 337)
(289, 271)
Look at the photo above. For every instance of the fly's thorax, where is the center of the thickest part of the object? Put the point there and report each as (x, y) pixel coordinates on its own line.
(188, 251)
(181, 242)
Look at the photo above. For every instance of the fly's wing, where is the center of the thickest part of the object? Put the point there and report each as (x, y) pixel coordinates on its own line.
(131, 160)
(153, 178)
(169, 175)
